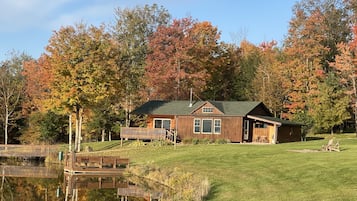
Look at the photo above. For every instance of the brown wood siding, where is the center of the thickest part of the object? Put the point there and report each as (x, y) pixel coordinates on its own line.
(261, 134)
(150, 120)
(231, 128)
(289, 133)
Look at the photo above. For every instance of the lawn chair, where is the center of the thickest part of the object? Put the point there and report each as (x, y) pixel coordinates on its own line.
(331, 146)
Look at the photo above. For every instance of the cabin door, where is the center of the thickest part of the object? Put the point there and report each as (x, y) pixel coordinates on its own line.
(246, 130)
(162, 123)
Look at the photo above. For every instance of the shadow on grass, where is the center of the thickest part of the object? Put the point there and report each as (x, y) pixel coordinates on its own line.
(314, 138)
(213, 193)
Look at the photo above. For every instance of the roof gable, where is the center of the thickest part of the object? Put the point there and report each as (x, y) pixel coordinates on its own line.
(207, 104)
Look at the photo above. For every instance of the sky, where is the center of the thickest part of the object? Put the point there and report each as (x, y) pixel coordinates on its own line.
(27, 25)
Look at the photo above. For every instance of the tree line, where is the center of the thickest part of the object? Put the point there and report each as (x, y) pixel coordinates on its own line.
(92, 77)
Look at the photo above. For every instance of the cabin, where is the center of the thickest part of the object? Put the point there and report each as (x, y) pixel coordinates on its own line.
(236, 121)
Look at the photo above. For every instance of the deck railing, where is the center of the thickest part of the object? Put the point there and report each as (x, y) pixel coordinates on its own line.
(142, 133)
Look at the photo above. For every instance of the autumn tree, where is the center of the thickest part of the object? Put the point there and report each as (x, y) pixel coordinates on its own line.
(346, 69)
(332, 107)
(179, 56)
(38, 79)
(11, 91)
(304, 52)
(131, 31)
(83, 61)
(269, 82)
(249, 61)
(222, 80)
(315, 29)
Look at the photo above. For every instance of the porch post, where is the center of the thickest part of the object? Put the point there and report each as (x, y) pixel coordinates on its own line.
(175, 133)
(275, 136)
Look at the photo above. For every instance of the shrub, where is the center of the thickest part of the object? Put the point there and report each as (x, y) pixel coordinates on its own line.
(195, 141)
(221, 141)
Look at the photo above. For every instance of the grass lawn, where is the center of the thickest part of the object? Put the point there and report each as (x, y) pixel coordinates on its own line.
(260, 172)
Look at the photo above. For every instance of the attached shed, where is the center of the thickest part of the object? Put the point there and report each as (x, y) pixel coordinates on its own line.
(237, 121)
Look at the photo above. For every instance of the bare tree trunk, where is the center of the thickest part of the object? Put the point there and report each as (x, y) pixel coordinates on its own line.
(80, 129)
(6, 125)
(70, 132)
(110, 136)
(355, 115)
(103, 135)
(355, 102)
(76, 137)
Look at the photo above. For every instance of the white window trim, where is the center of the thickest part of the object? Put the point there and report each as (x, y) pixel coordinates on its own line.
(194, 126)
(214, 126)
(207, 108)
(162, 119)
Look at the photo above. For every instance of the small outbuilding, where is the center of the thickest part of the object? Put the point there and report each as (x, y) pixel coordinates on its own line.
(236, 121)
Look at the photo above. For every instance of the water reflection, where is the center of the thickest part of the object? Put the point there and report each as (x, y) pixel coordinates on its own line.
(26, 181)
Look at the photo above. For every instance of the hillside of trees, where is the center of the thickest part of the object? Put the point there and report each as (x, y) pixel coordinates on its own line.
(92, 77)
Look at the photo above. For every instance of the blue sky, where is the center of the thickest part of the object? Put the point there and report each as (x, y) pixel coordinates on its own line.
(27, 25)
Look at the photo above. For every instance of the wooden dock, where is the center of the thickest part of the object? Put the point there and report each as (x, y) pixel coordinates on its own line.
(28, 151)
(27, 171)
(95, 165)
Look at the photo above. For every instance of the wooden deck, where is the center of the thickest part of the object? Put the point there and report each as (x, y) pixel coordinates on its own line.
(142, 133)
(95, 165)
(27, 150)
(138, 133)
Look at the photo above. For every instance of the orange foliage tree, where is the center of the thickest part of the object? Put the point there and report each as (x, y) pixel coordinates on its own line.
(346, 68)
(38, 79)
(178, 59)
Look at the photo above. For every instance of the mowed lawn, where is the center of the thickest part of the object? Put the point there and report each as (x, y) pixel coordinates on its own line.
(290, 171)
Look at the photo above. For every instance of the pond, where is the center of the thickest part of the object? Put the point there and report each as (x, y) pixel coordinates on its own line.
(29, 180)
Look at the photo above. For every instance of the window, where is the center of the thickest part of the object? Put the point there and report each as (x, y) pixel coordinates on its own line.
(162, 123)
(207, 110)
(217, 126)
(197, 126)
(260, 125)
(206, 126)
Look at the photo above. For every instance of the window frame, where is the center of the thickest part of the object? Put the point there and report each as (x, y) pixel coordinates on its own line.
(211, 127)
(162, 122)
(199, 125)
(217, 126)
(207, 110)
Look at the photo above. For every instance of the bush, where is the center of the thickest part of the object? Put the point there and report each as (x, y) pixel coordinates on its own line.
(221, 141)
(195, 141)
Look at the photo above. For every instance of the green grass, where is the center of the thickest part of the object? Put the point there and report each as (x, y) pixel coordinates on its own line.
(260, 172)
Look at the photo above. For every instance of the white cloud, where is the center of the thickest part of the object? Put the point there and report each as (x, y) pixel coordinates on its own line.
(91, 14)
(22, 14)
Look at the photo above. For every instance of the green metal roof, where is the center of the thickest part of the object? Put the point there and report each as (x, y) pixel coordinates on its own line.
(278, 120)
(235, 108)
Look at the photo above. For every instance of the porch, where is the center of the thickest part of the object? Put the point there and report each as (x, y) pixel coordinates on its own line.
(139, 133)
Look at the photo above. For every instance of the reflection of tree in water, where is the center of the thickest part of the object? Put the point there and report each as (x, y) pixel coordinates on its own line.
(6, 190)
(98, 188)
(28, 189)
(107, 194)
